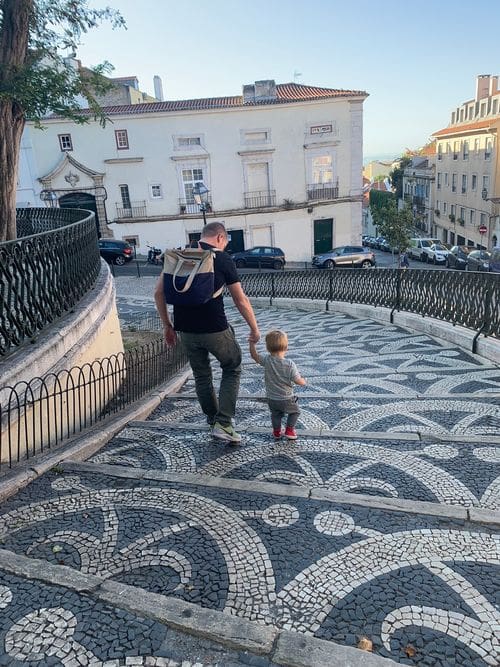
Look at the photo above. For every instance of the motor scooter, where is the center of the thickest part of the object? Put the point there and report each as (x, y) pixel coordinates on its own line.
(153, 255)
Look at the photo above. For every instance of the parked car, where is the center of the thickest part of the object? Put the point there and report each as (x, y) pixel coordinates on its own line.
(435, 253)
(379, 242)
(495, 260)
(260, 256)
(478, 260)
(457, 257)
(115, 251)
(416, 247)
(345, 256)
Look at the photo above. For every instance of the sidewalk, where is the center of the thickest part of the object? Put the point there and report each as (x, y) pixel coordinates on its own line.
(378, 528)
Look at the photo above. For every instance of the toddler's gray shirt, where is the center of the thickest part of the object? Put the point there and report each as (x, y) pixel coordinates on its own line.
(279, 376)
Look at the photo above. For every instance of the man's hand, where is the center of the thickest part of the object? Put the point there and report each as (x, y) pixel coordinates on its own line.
(169, 335)
(254, 336)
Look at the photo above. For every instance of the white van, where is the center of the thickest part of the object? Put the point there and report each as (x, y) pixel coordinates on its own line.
(416, 247)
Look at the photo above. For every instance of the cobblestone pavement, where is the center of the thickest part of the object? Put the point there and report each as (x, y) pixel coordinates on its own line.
(378, 527)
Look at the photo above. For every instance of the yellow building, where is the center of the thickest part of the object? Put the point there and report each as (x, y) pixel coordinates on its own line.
(467, 185)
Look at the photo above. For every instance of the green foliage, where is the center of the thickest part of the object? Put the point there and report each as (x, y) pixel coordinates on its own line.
(395, 225)
(43, 80)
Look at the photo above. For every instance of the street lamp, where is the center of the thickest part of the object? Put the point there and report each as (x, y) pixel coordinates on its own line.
(200, 195)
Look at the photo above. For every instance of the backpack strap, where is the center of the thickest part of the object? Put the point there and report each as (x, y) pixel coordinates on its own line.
(189, 281)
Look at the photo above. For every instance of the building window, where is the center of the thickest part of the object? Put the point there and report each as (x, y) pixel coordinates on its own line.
(465, 150)
(471, 112)
(461, 115)
(65, 142)
(125, 196)
(440, 151)
(155, 190)
(464, 183)
(473, 184)
(472, 216)
(453, 182)
(483, 219)
(462, 214)
(477, 145)
(486, 183)
(187, 142)
(495, 106)
(456, 149)
(487, 149)
(483, 108)
(121, 138)
(322, 171)
(445, 207)
(446, 180)
(452, 210)
(189, 179)
(439, 180)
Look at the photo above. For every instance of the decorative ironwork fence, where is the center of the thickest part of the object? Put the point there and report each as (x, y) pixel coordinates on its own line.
(46, 271)
(468, 299)
(39, 414)
(260, 198)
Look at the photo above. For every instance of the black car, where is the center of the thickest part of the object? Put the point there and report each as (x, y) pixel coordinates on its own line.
(457, 257)
(260, 256)
(478, 260)
(115, 251)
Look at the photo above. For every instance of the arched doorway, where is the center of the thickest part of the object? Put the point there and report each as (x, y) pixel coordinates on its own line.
(81, 200)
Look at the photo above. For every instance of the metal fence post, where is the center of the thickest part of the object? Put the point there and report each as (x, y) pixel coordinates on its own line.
(397, 304)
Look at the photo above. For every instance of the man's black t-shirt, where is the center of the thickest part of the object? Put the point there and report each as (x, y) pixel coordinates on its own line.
(210, 316)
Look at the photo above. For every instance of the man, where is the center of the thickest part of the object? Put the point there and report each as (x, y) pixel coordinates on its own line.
(204, 330)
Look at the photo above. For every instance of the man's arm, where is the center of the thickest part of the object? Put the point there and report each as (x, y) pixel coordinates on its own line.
(161, 307)
(245, 307)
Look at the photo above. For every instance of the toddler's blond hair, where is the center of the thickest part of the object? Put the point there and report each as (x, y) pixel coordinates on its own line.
(276, 341)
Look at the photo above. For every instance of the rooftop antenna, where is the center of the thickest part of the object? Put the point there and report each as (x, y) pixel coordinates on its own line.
(296, 75)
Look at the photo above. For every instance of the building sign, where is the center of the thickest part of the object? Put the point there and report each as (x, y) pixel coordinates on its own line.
(321, 129)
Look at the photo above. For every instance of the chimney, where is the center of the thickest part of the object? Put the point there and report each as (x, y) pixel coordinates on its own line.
(482, 86)
(260, 91)
(158, 88)
(493, 85)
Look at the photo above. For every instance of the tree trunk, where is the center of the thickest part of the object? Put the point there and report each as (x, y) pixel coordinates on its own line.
(14, 38)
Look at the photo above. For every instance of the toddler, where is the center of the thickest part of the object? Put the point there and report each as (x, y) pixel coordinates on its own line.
(280, 374)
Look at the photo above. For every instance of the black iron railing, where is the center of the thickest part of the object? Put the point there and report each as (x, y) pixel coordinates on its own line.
(318, 191)
(137, 209)
(468, 299)
(38, 415)
(260, 198)
(46, 271)
(190, 207)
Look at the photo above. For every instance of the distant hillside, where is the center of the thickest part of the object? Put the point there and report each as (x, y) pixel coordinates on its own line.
(383, 157)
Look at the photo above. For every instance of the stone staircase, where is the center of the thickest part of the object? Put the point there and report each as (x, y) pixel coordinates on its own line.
(372, 540)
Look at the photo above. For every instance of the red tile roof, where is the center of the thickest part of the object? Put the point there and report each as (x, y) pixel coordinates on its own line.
(467, 127)
(286, 93)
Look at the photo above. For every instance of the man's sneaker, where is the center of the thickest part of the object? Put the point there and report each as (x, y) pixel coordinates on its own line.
(226, 433)
(277, 433)
(290, 433)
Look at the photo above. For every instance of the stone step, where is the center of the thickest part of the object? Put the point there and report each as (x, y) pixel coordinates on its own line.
(430, 415)
(403, 466)
(281, 558)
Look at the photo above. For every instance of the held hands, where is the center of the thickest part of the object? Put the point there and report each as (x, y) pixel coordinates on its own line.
(254, 336)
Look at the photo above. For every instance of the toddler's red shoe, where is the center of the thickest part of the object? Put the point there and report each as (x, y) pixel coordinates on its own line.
(277, 433)
(290, 433)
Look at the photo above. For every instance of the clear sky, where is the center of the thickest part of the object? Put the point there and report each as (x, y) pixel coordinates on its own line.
(416, 60)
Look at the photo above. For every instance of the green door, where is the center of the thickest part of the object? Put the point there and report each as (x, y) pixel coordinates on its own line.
(323, 235)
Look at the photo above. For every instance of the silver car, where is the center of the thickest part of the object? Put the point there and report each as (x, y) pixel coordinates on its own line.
(345, 256)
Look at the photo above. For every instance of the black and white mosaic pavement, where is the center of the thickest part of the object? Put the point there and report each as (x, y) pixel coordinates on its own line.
(387, 413)
(329, 570)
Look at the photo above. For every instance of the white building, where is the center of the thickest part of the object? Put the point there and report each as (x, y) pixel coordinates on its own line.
(283, 165)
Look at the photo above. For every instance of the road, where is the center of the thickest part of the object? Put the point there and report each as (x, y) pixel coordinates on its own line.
(385, 260)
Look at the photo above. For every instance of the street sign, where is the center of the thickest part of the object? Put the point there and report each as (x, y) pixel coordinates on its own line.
(483, 229)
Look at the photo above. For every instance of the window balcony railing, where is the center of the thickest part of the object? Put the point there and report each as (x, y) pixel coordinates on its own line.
(316, 191)
(260, 198)
(190, 207)
(136, 209)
